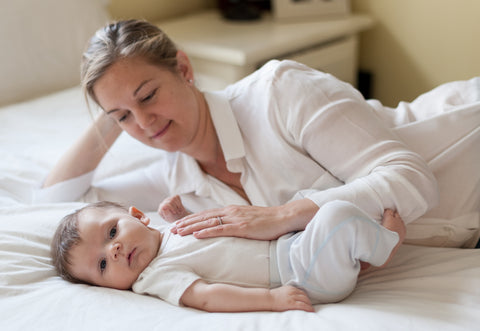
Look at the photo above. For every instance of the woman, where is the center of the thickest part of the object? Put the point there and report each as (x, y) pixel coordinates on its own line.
(284, 131)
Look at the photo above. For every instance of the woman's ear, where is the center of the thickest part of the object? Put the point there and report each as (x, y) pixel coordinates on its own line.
(139, 215)
(184, 67)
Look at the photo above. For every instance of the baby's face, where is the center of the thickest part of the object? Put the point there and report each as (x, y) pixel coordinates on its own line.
(115, 247)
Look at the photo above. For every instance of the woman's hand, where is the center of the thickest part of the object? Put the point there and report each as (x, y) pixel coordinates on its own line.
(240, 221)
(263, 223)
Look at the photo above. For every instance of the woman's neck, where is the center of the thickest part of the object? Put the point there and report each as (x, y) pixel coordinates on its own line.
(208, 152)
(205, 146)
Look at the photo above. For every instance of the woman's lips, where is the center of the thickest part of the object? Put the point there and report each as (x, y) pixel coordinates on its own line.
(160, 133)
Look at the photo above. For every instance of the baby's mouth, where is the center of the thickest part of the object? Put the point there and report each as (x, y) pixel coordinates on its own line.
(130, 256)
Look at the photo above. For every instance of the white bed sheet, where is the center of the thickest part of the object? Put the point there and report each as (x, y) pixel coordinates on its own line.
(422, 289)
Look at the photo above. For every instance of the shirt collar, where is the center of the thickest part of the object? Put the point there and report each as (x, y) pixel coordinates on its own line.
(225, 125)
(231, 142)
(187, 177)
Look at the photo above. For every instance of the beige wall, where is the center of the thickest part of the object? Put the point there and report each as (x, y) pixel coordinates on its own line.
(414, 46)
(156, 10)
(419, 44)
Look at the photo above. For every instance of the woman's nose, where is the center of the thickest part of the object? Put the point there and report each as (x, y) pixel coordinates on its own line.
(144, 119)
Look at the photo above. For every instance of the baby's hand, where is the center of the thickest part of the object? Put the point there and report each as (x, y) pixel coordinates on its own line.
(172, 209)
(289, 297)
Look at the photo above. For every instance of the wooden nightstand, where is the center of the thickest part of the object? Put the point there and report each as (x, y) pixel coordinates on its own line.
(223, 52)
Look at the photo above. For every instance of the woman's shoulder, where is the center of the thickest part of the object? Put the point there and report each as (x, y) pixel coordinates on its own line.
(283, 75)
(287, 91)
(274, 74)
(283, 69)
(279, 66)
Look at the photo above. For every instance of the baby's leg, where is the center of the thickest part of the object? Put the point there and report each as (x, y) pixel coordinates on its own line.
(325, 258)
(172, 209)
(392, 221)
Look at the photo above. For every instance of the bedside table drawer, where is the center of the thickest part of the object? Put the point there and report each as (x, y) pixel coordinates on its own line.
(338, 58)
(222, 52)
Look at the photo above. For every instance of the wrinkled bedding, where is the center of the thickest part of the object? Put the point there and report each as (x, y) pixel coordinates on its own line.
(422, 289)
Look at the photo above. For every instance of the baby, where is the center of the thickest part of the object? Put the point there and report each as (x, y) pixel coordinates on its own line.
(105, 244)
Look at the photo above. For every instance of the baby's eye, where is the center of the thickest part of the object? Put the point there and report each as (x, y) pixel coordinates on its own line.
(103, 265)
(113, 232)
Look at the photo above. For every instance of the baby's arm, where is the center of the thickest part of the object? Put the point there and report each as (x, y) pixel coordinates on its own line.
(230, 298)
(172, 209)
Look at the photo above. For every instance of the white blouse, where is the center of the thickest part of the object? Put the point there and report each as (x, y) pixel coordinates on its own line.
(289, 129)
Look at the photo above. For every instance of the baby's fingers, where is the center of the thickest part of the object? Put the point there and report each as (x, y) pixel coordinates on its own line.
(302, 301)
(295, 298)
(304, 306)
(172, 209)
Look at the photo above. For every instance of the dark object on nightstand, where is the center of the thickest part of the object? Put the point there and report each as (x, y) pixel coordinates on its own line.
(365, 83)
(242, 10)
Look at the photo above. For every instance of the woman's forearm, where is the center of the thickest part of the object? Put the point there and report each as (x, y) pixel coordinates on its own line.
(87, 152)
(297, 214)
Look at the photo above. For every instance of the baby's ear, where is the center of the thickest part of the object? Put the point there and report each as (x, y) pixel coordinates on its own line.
(139, 215)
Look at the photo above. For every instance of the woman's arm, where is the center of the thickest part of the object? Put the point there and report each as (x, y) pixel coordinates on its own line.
(329, 122)
(85, 155)
(263, 223)
(338, 129)
(230, 298)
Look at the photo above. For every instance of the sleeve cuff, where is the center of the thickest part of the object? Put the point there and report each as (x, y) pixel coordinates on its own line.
(66, 191)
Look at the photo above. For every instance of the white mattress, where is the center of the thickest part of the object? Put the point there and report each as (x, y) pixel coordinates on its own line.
(422, 289)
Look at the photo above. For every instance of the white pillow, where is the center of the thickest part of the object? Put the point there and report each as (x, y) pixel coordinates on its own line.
(42, 42)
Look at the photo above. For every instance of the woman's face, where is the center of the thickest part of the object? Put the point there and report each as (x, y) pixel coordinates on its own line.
(154, 105)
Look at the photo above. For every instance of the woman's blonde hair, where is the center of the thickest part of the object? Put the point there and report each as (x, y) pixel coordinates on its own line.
(125, 39)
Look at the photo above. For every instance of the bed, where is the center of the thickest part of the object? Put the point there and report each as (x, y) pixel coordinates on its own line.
(423, 288)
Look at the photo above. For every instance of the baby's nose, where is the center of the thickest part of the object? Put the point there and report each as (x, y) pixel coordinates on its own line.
(115, 251)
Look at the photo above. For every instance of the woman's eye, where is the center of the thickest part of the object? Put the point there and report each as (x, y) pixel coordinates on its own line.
(148, 97)
(124, 117)
(113, 232)
(103, 265)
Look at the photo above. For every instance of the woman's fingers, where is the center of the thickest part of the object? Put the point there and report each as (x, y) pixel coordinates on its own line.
(225, 230)
(200, 217)
(188, 228)
(195, 222)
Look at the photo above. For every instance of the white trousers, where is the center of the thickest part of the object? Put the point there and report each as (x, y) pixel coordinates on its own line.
(324, 260)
